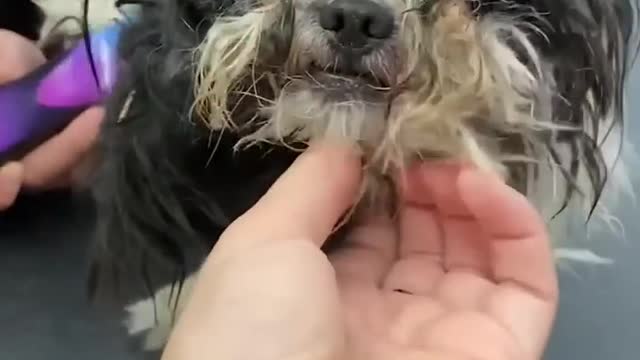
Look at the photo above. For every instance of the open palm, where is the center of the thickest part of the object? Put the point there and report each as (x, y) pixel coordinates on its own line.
(465, 273)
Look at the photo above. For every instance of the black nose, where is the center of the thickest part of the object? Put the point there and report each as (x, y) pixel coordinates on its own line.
(357, 23)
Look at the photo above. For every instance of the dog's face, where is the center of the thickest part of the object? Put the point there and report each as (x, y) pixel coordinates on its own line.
(491, 82)
(401, 78)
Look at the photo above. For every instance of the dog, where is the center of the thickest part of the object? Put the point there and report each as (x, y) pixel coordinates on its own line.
(218, 97)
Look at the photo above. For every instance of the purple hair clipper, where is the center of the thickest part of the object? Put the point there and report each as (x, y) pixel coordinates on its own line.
(34, 108)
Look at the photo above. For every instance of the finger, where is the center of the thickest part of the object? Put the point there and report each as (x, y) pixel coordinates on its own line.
(419, 265)
(59, 155)
(463, 246)
(307, 201)
(10, 181)
(421, 249)
(438, 180)
(420, 231)
(522, 264)
(367, 253)
(20, 60)
(520, 248)
(295, 286)
(285, 287)
(421, 246)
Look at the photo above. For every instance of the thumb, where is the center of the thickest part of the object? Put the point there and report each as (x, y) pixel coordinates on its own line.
(307, 201)
(265, 287)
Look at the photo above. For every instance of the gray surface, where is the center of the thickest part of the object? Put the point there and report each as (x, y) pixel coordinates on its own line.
(44, 313)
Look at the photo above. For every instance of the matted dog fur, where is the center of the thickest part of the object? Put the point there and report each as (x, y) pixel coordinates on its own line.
(218, 97)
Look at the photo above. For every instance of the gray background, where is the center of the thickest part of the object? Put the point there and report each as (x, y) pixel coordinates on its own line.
(44, 313)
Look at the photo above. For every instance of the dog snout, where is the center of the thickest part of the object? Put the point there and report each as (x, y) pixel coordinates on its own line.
(357, 24)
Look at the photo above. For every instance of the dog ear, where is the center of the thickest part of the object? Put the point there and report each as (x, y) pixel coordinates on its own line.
(152, 211)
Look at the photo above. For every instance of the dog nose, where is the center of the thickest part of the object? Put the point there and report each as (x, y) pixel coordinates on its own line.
(357, 23)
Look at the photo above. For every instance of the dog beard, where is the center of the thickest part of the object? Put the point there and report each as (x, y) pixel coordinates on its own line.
(447, 86)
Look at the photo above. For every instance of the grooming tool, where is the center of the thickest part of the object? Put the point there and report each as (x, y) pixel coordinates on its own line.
(35, 107)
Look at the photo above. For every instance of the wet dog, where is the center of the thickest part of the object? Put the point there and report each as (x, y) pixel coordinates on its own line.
(217, 97)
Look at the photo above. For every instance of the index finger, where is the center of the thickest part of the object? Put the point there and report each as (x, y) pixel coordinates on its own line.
(307, 201)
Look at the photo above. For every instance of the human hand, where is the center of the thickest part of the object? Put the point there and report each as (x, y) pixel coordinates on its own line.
(52, 164)
(469, 255)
